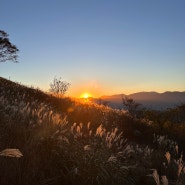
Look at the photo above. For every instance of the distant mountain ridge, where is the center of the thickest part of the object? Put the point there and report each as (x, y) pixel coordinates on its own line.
(152, 100)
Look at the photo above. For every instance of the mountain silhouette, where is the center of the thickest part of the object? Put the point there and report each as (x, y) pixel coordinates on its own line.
(151, 100)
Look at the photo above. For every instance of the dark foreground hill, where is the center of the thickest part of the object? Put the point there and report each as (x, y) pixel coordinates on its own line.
(47, 140)
(151, 100)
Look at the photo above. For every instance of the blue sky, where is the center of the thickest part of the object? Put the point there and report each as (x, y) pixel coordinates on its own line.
(100, 46)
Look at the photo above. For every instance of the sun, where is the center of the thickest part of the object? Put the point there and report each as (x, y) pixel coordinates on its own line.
(85, 95)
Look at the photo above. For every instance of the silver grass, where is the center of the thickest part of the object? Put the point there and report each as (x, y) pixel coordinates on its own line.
(9, 152)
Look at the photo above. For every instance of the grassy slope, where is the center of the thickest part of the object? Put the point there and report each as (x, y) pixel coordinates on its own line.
(67, 142)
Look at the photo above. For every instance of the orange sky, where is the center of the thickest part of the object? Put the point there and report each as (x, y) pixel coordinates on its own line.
(92, 87)
(96, 89)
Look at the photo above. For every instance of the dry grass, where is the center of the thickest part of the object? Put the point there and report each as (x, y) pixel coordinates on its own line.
(45, 141)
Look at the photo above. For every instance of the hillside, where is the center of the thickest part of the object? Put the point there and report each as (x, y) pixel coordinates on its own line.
(151, 100)
(49, 140)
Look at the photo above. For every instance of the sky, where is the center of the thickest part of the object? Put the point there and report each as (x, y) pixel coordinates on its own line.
(102, 47)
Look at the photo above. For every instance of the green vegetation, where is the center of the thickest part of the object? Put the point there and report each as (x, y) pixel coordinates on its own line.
(50, 141)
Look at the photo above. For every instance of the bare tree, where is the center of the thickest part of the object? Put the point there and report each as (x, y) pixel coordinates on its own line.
(59, 87)
(8, 51)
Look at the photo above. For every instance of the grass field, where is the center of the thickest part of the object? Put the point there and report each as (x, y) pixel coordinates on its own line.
(47, 140)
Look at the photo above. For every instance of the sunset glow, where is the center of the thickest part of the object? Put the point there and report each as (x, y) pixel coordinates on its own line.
(85, 95)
